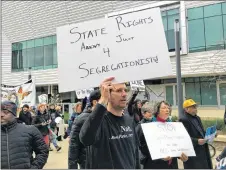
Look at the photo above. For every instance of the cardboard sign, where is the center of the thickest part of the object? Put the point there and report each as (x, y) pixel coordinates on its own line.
(128, 47)
(167, 139)
(137, 84)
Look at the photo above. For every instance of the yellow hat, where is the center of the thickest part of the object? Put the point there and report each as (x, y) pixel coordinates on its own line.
(188, 103)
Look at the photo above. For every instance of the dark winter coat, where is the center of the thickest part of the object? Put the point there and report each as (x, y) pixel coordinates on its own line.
(202, 160)
(18, 141)
(25, 117)
(77, 151)
(38, 120)
(146, 160)
(133, 110)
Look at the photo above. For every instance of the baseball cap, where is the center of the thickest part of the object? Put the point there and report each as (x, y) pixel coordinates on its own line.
(10, 106)
(188, 103)
(94, 95)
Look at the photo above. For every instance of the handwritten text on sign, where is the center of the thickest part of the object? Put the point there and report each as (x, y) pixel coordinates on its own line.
(167, 139)
(137, 84)
(129, 47)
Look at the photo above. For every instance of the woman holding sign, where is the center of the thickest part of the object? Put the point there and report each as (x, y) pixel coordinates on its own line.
(161, 115)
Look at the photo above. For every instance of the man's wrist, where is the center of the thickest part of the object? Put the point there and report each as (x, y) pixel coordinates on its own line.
(103, 103)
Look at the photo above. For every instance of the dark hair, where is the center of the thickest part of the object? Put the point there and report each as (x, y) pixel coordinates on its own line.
(158, 105)
(95, 95)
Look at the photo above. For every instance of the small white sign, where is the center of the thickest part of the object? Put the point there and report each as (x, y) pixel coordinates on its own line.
(128, 47)
(167, 139)
(81, 94)
(137, 84)
(43, 99)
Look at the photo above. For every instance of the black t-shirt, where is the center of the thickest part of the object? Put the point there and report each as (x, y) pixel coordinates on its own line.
(112, 141)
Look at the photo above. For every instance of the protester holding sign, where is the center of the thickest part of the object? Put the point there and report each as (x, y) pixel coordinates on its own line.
(161, 115)
(108, 133)
(194, 127)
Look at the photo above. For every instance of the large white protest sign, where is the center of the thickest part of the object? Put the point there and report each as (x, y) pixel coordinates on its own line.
(129, 47)
(139, 84)
(81, 94)
(167, 139)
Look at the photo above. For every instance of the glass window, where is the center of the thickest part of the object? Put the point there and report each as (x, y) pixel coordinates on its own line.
(39, 56)
(209, 93)
(212, 10)
(169, 94)
(24, 44)
(48, 55)
(224, 25)
(168, 18)
(48, 40)
(192, 90)
(213, 31)
(54, 39)
(55, 54)
(164, 20)
(31, 57)
(38, 42)
(224, 8)
(195, 13)
(15, 60)
(30, 44)
(222, 87)
(173, 11)
(206, 32)
(196, 34)
(14, 47)
(24, 59)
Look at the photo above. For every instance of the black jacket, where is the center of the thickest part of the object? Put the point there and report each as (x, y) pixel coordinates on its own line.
(133, 110)
(111, 141)
(25, 117)
(146, 160)
(41, 118)
(77, 151)
(202, 160)
(18, 141)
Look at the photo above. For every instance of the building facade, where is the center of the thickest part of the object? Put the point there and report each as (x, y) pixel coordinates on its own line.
(29, 44)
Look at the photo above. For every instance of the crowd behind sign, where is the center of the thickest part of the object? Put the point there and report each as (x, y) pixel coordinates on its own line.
(167, 139)
(129, 47)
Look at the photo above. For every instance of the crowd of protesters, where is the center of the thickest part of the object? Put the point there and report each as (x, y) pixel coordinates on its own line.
(104, 132)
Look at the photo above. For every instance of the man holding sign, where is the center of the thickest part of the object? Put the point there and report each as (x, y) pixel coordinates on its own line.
(194, 127)
(108, 133)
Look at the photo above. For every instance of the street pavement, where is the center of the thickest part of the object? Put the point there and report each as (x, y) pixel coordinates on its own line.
(59, 160)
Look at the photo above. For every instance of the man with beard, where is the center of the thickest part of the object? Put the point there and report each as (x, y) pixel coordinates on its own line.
(25, 115)
(18, 141)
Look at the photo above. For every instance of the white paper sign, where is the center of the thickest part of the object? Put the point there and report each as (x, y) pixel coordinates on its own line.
(43, 99)
(137, 84)
(81, 94)
(95, 50)
(167, 139)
